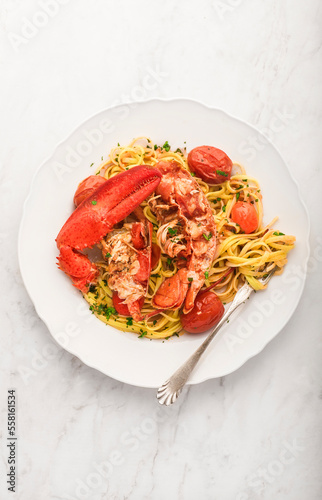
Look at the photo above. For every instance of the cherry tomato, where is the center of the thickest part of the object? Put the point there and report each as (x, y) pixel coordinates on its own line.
(121, 308)
(245, 215)
(210, 164)
(206, 313)
(87, 187)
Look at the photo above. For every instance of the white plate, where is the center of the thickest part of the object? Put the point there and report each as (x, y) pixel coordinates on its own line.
(124, 356)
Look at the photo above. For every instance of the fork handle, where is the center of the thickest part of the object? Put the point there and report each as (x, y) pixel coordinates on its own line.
(177, 381)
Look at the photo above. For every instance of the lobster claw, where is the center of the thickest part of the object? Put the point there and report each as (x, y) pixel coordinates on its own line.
(96, 216)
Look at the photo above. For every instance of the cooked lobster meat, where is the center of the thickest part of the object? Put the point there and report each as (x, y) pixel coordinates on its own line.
(187, 231)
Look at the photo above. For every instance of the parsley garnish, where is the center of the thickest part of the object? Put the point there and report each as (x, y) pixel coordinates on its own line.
(237, 196)
(91, 164)
(206, 275)
(103, 310)
(171, 231)
(224, 208)
(155, 147)
(94, 202)
(107, 255)
(207, 237)
(129, 321)
(221, 172)
(277, 233)
(169, 261)
(193, 174)
(143, 334)
(190, 279)
(166, 146)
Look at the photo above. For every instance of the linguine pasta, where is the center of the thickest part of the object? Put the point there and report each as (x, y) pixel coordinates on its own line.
(249, 255)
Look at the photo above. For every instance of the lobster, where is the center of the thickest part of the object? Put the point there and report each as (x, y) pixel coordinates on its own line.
(128, 251)
(100, 206)
(187, 231)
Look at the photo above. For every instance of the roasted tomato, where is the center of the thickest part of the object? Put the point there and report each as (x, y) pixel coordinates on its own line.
(210, 164)
(87, 187)
(121, 308)
(245, 215)
(207, 312)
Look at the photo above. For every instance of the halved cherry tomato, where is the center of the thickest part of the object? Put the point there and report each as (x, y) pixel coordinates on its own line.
(211, 164)
(121, 308)
(245, 215)
(87, 187)
(206, 313)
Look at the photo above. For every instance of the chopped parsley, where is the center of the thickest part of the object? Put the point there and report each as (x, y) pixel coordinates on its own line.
(129, 321)
(107, 255)
(278, 233)
(171, 231)
(207, 236)
(193, 174)
(103, 310)
(166, 146)
(221, 172)
(237, 196)
(91, 164)
(143, 334)
(102, 158)
(92, 289)
(94, 202)
(224, 208)
(190, 279)
(207, 275)
(169, 261)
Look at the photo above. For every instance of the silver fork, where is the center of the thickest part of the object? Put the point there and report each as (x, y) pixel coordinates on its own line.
(170, 390)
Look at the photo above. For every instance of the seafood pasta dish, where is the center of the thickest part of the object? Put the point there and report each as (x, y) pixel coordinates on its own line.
(178, 234)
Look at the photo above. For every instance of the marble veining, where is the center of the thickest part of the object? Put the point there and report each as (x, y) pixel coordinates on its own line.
(254, 434)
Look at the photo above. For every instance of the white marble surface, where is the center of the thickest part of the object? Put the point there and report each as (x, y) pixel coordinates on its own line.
(254, 434)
